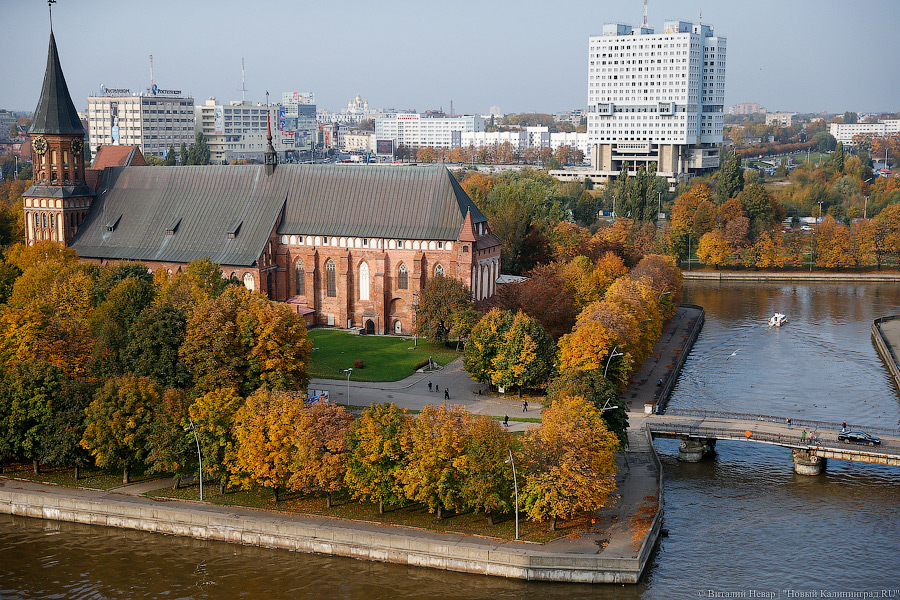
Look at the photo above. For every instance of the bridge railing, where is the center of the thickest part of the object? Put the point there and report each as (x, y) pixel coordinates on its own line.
(794, 441)
(801, 423)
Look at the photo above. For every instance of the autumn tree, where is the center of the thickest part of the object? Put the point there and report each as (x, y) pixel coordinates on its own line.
(171, 449)
(439, 300)
(320, 456)
(569, 462)
(213, 415)
(375, 455)
(543, 297)
(487, 482)
(485, 343)
(714, 249)
(265, 429)
(599, 391)
(118, 422)
(435, 445)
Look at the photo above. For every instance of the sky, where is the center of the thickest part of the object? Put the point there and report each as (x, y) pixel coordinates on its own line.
(523, 56)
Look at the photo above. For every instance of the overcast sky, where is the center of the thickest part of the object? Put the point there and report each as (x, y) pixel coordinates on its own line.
(795, 55)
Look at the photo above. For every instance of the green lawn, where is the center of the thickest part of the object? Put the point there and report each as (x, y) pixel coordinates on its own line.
(89, 478)
(384, 358)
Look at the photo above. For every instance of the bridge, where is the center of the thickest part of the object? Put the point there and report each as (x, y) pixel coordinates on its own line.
(699, 430)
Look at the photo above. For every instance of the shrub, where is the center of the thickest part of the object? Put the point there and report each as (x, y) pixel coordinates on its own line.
(357, 364)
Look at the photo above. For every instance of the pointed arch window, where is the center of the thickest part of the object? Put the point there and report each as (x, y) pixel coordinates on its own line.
(363, 281)
(300, 275)
(438, 270)
(330, 287)
(402, 277)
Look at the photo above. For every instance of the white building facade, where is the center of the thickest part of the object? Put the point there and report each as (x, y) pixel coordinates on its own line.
(656, 98)
(416, 131)
(153, 121)
(844, 132)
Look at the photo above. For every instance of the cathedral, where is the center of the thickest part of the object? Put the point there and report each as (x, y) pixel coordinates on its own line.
(343, 245)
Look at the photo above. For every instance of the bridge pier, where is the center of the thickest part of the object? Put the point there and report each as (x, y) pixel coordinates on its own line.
(807, 463)
(693, 449)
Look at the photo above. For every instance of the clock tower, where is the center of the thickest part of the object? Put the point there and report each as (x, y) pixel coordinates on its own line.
(59, 197)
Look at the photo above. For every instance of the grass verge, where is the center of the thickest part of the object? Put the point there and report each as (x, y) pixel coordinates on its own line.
(417, 516)
(88, 478)
(384, 358)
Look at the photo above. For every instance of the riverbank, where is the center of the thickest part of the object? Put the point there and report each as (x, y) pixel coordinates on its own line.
(789, 276)
(886, 335)
(616, 549)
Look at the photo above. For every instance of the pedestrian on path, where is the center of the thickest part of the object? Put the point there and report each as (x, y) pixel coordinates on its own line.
(803, 437)
(524, 405)
(788, 422)
(429, 386)
(843, 426)
(506, 420)
(446, 394)
(437, 388)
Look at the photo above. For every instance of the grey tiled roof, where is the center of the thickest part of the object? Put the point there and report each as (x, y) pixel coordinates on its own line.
(135, 206)
(55, 112)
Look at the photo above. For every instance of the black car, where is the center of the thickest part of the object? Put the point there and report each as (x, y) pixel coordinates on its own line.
(858, 437)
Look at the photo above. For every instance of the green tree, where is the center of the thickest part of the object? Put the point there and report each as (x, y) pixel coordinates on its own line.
(851, 117)
(30, 389)
(487, 482)
(184, 156)
(113, 323)
(825, 142)
(439, 300)
(64, 431)
(586, 209)
(525, 357)
(599, 391)
(154, 351)
(171, 449)
(837, 158)
(484, 344)
(118, 422)
(169, 161)
(435, 446)
(213, 415)
(730, 179)
(375, 455)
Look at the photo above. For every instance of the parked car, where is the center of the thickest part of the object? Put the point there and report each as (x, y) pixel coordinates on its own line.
(858, 437)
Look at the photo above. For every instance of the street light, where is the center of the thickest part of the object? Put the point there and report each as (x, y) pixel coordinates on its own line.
(348, 372)
(515, 488)
(820, 212)
(658, 204)
(612, 355)
(199, 455)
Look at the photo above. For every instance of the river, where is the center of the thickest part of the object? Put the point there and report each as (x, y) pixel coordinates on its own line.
(741, 522)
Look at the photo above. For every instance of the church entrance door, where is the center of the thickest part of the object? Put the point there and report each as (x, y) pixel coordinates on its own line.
(370, 327)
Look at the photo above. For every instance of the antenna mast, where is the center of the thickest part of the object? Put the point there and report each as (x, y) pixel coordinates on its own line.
(151, 72)
(243, 89)
(645, 13)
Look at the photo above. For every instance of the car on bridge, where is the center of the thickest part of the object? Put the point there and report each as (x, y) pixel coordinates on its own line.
(858, 437)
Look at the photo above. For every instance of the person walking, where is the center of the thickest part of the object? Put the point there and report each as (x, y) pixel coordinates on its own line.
(843, 426)
(437, 388)
(803, 437)
(446, 394)
(429, 386)
(506, 420)
(524, 405)
(788, 422)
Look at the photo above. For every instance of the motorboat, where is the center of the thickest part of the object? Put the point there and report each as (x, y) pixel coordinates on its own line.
(777, 320)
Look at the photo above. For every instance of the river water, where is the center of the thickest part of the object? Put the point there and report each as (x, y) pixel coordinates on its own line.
(742, 522)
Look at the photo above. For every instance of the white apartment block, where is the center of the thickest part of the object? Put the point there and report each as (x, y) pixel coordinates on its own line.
(152, 121)
(844, 132)
(416, 131)
(747, 108)
(521, 140)
(656, 98)
(359, 141)
(7, 120)
(781, 119)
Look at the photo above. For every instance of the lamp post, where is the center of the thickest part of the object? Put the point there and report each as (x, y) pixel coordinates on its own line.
(612, 355)
(416, 319)
(199, 455)
(658, 204)
(515, 489)
(820, 212)
(348, 372)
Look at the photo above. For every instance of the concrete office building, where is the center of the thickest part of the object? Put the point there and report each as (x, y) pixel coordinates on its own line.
(153, 120)
(844, 132)
(656, 98)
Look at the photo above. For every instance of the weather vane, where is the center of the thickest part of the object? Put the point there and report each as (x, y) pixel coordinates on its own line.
(50, 4)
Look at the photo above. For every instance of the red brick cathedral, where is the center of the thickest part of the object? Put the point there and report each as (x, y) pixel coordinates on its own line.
(346, 245)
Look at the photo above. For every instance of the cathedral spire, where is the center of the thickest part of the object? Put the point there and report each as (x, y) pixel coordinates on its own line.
(55, 112)
(271, 158)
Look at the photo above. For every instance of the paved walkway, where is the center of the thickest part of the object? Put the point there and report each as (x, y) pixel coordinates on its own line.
(413, 393)
(890, 330)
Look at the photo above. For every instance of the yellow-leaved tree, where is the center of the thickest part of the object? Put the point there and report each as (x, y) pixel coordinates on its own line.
(320, 458)
(569, 462)
(714, 249)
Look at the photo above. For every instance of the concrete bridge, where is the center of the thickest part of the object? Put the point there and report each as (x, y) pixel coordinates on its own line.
(699, 430)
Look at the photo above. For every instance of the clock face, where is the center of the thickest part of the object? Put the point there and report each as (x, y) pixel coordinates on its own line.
(77, 146)
(39, 144)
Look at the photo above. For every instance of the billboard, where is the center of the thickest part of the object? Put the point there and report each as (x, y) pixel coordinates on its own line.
(218, 120)
(114, 121)
(384, 147)
(298, 98)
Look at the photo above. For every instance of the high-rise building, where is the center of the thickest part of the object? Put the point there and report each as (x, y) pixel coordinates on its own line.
(656, 98)
(416, 131)
(153, 121)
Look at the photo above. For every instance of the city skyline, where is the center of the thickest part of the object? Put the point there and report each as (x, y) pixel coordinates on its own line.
(804, 56)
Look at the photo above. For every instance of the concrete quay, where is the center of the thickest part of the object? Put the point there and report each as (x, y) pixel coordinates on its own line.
(878, 277)
(886, 336)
